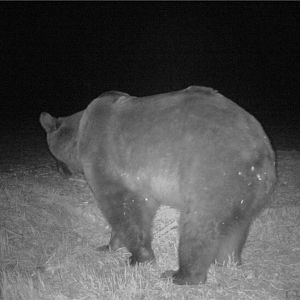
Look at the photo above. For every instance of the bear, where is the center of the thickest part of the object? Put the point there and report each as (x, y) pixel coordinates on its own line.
(191, 149)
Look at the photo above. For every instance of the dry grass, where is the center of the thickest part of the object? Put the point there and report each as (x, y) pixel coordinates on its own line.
(49, 229)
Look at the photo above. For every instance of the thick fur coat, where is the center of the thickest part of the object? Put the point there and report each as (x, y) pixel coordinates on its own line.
(192, 149)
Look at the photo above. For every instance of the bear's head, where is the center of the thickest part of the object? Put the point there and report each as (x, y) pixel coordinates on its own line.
(62, 137)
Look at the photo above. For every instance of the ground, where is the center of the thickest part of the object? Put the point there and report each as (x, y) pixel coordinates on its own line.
(49, 228)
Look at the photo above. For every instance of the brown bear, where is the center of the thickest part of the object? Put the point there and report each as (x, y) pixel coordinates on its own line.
(192, 149)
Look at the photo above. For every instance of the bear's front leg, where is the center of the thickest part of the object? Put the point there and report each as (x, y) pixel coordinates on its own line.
(115, 243)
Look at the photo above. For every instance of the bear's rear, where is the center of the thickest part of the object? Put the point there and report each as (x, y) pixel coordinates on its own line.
(193, 149)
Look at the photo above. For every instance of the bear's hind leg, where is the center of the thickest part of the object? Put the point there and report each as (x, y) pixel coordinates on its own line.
(198, 243)
(138, 237)
(130, 217)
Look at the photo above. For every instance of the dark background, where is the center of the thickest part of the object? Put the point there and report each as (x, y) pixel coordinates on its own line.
(57, 57)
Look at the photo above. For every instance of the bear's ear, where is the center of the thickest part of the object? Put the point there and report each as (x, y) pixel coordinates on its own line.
(48, 122)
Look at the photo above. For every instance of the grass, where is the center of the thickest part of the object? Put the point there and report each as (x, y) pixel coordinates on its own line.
(49, 229)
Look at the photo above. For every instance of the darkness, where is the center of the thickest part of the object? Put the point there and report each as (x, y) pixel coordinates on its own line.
(58, 56)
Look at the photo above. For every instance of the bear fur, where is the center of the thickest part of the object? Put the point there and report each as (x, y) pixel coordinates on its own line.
(192, 149)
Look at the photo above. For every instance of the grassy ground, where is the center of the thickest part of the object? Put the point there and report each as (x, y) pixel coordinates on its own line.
(50, 227)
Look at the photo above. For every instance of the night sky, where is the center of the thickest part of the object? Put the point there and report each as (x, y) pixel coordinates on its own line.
(57, 56)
